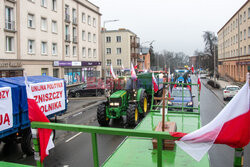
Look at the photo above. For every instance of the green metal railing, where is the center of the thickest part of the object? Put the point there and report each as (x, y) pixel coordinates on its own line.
(93, 130)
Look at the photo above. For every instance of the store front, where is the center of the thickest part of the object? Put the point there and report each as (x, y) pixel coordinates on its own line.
(11, 69)
(78, 72)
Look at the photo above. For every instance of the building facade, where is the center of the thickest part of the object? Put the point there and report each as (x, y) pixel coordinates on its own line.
(234, 45)
(120, 48)
(144, 59)
(50, 37)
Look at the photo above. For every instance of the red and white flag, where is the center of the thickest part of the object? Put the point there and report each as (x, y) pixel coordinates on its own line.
(199, 81)
(192, 68)
(156, 88)
(35, 114)
(231, 127)
(132, 71)
(169, 80)
(112, 72)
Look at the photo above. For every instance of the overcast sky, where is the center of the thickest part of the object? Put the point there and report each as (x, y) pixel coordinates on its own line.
(175, 25)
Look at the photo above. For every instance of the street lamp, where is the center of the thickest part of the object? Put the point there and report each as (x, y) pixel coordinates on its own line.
(104, 53)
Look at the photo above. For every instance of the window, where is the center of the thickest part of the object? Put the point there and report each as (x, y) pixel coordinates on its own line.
(31, 22)
(108, 62)
(83, 17)
(119, 62)
(89, 37)
(248, 32)
(44, 48)
(94, 22)
(9, 18)
(248, 49)
(89, 52)
(94, 53)
(245, 50)
(118, 38)
(74, 18)
(67, 16)
(240, 19)
(108, 39)
(241, 35)
(245, 34)
(118, 50)
(248, 12)
(54, 5)
(244, 16)
(240, 51)
(31, 46)
(44, 3)
(54, 48)
(74, 32)
(236, 23)
(67, 50)
(94, 38)
(89, 20)
(9, 44)
(43, 24)
(54, 26)
(74, 50)
(83, 36)
(83, 52)
(108, 50)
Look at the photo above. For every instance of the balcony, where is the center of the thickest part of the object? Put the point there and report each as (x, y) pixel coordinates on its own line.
(75, 39)
(134, 55)
(135, 44)
(67, 38)
(67, 18)
(10, 25)
(14, 1)
(74, 21)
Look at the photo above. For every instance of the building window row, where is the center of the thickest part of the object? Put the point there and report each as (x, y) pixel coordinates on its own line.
(118, 51)
(44, 23)
(44, 47)
(44, 3)
(118, 62)
(118, 39)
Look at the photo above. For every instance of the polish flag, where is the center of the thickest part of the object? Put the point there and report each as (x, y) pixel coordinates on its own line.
(199, 82)
(112, 72)
(169, 80)
(133, 74)
(192, 68)
(156, 88)
(231, 127)
(35, 114)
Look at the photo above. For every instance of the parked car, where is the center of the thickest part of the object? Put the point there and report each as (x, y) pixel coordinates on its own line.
(83, 90)
(177, 102)
(230, 91)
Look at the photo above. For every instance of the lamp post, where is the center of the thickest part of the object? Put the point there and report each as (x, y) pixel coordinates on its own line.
(104, 53)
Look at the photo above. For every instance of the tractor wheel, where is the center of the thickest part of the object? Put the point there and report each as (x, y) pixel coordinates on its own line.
(132, 115)
(102, 116)
(143, 105)
(27, 143)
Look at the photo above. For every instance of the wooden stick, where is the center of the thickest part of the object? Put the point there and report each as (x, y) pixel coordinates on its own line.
(163, 110)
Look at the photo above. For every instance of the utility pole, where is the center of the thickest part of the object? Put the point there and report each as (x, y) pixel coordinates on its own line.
(214, 63)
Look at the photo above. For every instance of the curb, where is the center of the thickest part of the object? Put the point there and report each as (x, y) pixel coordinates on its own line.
(71, 114)
(211, 89)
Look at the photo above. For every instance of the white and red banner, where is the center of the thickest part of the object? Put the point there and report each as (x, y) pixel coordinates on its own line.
(35, 114)
(231, 127)
(50, 96)
(132, 71)
(169, 80)
(112, 72)
(156, 88)
(6, 108)
(192, 68)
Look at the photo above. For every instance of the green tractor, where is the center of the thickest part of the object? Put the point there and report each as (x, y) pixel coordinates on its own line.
(130, 98)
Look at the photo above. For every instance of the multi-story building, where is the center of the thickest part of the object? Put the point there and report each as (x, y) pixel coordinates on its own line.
(59, 38)
(121, 48)
(144, 59)
(234, 45)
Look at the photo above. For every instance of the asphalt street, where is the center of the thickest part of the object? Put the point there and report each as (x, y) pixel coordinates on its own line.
(75, 149)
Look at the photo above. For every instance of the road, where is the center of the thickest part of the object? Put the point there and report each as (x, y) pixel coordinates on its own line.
(74, 149)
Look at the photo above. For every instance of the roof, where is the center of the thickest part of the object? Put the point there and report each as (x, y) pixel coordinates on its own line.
(234, 15)
(119, 30)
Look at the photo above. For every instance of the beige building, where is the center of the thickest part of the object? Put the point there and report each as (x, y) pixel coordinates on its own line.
(121, 49)
(234, 45)
(58, 38)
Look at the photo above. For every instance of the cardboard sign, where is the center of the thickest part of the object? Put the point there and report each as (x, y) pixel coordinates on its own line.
(6, 109)
(50, 96)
